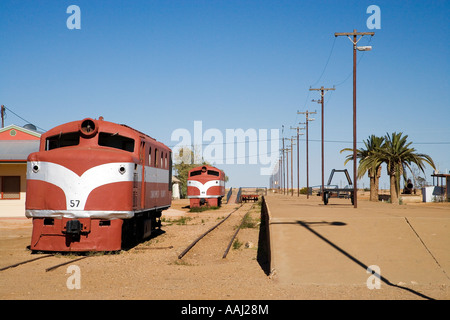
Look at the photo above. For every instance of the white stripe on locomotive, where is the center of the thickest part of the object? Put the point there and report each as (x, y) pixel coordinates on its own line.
(203, 188)
(78, 188)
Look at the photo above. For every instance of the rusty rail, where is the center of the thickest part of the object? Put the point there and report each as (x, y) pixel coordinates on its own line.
(235, 234)
(64, 263)
(189, 247)
(26, 261)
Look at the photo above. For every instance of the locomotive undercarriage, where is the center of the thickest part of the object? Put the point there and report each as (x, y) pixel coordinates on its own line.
(86, 234)
(141, 227)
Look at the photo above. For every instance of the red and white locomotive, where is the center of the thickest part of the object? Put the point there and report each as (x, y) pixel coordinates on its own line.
(96, 186)
(205, 186)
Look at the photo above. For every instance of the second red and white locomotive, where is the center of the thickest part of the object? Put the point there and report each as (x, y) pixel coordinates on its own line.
(205, 186)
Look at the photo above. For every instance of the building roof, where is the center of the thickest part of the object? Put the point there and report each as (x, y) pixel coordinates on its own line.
(440, 175)
(17, 150)
(14, 132)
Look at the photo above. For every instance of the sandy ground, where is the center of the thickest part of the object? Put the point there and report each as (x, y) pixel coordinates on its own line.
(152, 270)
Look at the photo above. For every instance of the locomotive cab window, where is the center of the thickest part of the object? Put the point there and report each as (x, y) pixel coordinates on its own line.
(116, 141)
(213, 173)
(196, 173)
(62, 140)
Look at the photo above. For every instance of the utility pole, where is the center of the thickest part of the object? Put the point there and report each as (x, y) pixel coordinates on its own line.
(287, 165)
(308, 119)
(287, 169)
(298, 158)
(322, 89)
(282, 169)
(279, 174)
(355, 41)
(282, 158)
(292, 166)
(2, 111)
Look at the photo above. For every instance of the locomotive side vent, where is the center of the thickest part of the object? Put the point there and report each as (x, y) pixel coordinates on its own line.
(103, 223)
(49, 221)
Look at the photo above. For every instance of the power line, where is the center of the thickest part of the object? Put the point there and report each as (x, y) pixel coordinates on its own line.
(351, 73)
(326, 64)
(23, 118)
(301, 139)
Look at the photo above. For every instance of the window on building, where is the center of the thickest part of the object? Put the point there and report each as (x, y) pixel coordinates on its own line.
(9, 187)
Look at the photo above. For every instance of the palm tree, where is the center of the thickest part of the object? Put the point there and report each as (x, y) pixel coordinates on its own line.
(398, 155)
(368, 163)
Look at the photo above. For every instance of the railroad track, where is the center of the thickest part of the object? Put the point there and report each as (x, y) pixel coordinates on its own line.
(232, 233)
(229, 230)
(51, 268)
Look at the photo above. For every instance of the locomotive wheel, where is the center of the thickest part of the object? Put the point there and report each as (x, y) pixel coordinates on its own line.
(156, 220)
(326, 196)
(129, 236)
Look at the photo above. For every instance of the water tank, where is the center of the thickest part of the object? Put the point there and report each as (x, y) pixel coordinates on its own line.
(30, 126)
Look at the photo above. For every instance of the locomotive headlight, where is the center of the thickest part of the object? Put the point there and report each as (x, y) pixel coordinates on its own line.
(35, 168)
(88, 128)
(122, 169)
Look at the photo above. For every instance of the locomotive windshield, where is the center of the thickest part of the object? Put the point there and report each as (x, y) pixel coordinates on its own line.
(62, 140)
(209, 172)
(104, 139)
(116, 141)
(196, 173)
(213, 173)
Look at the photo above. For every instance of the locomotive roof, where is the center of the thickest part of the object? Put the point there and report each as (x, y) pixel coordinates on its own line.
(73, 126)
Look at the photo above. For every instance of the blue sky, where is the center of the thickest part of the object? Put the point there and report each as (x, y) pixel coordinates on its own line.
(159, 66)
